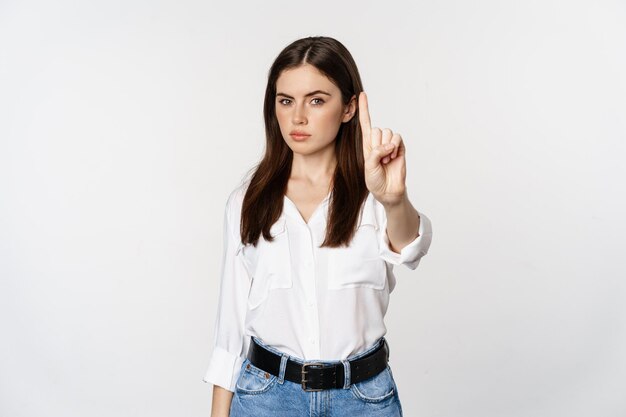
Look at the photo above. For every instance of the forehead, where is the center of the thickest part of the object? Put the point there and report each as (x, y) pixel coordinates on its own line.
(301, 80)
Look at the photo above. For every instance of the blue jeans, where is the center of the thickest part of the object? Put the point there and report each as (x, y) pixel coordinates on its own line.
(261, 394)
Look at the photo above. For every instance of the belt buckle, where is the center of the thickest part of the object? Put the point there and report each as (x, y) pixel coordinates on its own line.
(304, 380)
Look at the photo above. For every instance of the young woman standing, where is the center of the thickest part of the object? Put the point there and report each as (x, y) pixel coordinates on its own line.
(310, 243)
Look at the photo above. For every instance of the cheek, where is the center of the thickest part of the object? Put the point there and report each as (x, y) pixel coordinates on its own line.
(330, 120)
(282, 120)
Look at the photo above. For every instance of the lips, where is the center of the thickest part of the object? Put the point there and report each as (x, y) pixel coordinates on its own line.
(299, 135)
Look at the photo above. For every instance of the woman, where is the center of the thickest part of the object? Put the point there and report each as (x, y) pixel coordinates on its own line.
(310, 242)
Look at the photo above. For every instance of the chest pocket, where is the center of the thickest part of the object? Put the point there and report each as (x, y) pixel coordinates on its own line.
(359, 264)
(272, 265)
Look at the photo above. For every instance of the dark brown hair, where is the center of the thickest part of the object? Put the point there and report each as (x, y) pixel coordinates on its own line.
(263, 201)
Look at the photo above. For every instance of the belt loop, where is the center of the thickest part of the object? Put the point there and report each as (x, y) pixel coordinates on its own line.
(346, 372)
(283, 366)
(387, 347)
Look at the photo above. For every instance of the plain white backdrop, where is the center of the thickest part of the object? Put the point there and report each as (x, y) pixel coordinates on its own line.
(125, 124)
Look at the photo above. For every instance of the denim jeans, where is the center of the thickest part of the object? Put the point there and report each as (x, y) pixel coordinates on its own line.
(261, 394)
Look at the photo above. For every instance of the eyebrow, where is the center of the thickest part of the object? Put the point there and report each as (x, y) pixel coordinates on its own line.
(312, 93)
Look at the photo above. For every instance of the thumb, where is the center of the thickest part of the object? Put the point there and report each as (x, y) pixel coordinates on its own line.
(377, 153)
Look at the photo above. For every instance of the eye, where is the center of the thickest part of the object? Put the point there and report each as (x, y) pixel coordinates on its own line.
(281, 101)
(320, 101)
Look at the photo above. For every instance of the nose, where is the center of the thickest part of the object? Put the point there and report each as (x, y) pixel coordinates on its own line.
(299, 115)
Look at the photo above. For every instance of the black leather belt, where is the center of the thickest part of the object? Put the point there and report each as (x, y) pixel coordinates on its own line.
(314, 376)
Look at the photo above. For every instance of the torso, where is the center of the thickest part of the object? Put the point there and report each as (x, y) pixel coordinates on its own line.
(306, 197)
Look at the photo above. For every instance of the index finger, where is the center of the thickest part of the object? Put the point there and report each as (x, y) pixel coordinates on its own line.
(364, 114)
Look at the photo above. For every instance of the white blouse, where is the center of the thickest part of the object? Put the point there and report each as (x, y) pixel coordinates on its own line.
(310, 302)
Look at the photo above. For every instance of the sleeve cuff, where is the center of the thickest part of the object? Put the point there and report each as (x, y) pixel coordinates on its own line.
(224, 369)
(411, 254)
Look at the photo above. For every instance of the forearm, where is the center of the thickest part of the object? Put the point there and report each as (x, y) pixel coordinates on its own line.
(221, 402)
(402, 223)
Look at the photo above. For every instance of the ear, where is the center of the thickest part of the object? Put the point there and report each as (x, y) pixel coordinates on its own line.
(349, 110)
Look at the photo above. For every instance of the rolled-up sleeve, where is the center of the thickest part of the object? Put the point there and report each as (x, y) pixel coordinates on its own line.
(411, 254)
(229, 342)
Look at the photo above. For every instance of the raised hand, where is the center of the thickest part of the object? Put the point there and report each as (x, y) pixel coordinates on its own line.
(385, 164)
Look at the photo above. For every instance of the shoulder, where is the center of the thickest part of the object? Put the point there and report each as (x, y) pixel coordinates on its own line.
(236, 195)
(234, 202)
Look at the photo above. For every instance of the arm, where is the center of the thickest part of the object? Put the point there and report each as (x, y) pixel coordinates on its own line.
(221, 402)
(230, 343)
(404, 233)
(403, 223)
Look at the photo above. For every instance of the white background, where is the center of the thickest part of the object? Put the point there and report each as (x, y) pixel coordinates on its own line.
(125, 124)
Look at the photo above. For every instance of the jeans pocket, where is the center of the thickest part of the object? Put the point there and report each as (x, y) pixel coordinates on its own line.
(253, 380)
(376, 389)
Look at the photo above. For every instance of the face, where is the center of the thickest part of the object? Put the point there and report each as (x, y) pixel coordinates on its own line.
(310, 103)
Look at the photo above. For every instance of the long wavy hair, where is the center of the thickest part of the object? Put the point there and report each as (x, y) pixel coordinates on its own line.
(263, 201)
